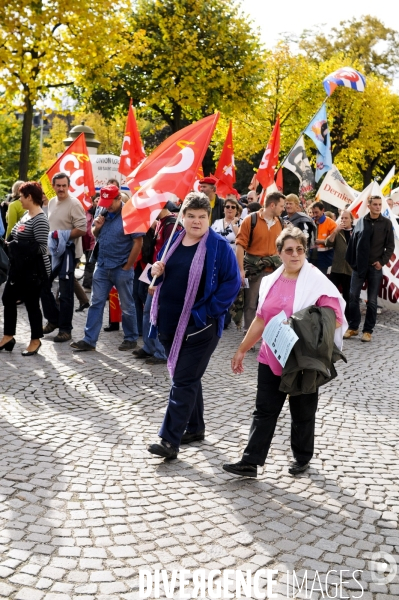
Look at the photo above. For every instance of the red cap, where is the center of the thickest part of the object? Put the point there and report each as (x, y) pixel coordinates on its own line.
(108, 195)
(210, 180)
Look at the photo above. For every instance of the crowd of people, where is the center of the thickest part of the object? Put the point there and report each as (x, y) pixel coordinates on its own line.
(180, 283)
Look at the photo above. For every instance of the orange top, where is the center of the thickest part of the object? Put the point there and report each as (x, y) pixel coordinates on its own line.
(263, 239)
(324, 230)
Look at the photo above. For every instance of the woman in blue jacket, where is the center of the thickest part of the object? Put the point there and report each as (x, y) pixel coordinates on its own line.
(198, 280)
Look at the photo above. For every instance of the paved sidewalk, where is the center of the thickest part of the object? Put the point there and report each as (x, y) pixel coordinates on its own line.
(84, 507)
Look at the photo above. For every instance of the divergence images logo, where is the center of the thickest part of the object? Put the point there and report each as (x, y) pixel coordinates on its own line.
(383, 568)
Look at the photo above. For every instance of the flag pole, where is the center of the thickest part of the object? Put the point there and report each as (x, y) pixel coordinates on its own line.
(168, 243)
(302, 132)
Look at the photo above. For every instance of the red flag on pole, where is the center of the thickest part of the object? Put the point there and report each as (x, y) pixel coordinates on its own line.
(168, 172)
(265, 174)
(225, 171)
(75, 162)
(279, 180)
(132, 153)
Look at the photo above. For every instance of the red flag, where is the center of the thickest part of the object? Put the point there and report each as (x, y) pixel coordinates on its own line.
(254, 183)
(265, 174)
(132, 153)
(279, 180)
(75, 162)
(225, 171)
(200, 175)
(168, 172)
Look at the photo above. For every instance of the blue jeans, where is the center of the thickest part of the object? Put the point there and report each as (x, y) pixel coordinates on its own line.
(62, 316)
(103, 281)
(373, 278)
(151, 346)
(140, 295)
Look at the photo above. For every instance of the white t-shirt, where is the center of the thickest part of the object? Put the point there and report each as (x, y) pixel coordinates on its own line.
(67, 214)
(227, 232)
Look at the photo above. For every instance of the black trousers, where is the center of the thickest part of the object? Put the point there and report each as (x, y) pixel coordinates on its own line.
(340, 280)
(269, 402)
(30, 294)
(186, 404)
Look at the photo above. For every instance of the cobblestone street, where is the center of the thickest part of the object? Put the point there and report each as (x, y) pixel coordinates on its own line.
(84, 506)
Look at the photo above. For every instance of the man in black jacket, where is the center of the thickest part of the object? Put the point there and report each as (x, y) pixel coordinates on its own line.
(369, 249)
(207, 185)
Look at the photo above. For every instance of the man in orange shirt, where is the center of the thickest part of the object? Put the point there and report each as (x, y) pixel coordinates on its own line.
(257, 238)
(322, 256)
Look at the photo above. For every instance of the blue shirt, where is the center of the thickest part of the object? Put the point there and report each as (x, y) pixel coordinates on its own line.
(114, 245)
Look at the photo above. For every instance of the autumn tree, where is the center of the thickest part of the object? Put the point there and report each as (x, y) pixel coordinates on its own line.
(365, 40)
(45, 45)
(198, 56)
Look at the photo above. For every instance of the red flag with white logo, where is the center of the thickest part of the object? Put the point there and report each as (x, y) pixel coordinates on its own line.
(132, 153)
(225, 171)
(75, 162)
(168, 172)
(265, 174)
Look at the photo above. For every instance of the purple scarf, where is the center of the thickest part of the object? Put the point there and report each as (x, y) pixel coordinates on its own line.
(194, 279)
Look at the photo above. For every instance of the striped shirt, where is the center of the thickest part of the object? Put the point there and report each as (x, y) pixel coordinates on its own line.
(34, 228)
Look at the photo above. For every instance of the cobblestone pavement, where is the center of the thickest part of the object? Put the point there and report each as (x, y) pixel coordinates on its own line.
(84, 506)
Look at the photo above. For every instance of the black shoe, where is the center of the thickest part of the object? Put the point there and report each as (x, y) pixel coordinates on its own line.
(49, 327)
(32, 352)
(81, 346)
(164, 449)
(8, 346)
(153, 360)
(127, 345)
(297, 467)
(241, 468)
(193, 437)
(82, 307)
(140, 353)
(112, 327)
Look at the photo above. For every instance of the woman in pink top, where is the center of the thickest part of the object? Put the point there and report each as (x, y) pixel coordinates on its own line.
(294, 286)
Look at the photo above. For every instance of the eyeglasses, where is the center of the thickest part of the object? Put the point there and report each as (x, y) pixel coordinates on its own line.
(229, 206)
(298, 250)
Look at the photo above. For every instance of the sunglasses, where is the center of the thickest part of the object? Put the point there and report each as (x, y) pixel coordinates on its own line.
(229, 206)
(298, 250)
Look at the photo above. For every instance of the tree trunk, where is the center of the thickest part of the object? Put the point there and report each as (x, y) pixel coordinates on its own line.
(25, 140)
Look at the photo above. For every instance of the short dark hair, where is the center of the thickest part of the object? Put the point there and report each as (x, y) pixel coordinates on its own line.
(274, 198)
(34, 189)
(318, 205)
(113, 182)
(236, 204)
(60, 176)
(253, 207)
(196, 201)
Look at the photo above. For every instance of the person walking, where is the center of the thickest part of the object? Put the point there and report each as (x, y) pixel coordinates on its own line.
(229, 226)
(29, 269)
(207, 185)
(256, 241)
(116, 257)
(153, 351)
(370, 248)
(295, 285)
(322, 258)
(66, 215)
(15, 209)
(341, 271)
(197, 282)
(297, 218)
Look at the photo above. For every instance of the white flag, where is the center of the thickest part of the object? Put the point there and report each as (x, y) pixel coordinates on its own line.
(298, 163)
(335, 190)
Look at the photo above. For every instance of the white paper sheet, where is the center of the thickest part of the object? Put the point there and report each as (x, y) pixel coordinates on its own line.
(280, 337)
(144, 277)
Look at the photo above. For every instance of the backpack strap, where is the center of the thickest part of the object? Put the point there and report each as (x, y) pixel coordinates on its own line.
(254, 220)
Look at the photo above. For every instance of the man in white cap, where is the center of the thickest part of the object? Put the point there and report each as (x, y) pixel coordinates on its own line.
(116, 257)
